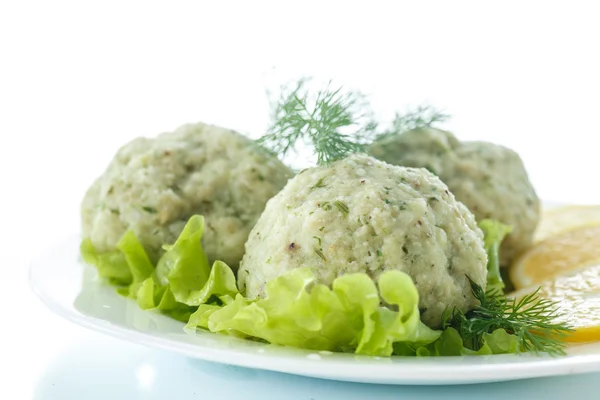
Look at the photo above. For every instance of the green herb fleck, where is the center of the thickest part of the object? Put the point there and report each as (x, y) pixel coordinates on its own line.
(342, 207)
(318, 239)
(319, 184)
(326, 206)
(320, 253)
(149, 209)
(379, 253)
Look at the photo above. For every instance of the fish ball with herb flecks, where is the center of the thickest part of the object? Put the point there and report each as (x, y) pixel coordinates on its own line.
(489, 179)
(153, 185)
(360, 214)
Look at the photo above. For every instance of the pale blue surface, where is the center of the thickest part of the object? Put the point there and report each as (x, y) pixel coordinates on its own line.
(98, 367)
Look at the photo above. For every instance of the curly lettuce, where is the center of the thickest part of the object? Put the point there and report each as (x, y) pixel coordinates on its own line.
(494, 233)
(355, 314)
(298, 312)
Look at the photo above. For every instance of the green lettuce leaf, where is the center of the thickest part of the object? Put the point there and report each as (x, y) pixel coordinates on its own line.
(138, 262)
(494, 233)
(181, 280)
(348, 317)
(184, 265)
(450, 343)
(136, 257)
(199, 319)
(501, 342)
(127, 267)
(153, 297)
(221, 282)
(110, 265)
(396, 289)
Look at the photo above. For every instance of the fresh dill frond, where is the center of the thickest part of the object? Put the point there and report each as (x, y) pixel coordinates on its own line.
(334, 121)
(530, 319)
(422, 117)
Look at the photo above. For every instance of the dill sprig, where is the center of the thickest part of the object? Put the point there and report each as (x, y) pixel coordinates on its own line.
(423, 116)
(529, 318)
(335, 122)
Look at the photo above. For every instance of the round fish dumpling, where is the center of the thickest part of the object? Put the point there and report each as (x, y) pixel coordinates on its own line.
(360, 214)
(492, 182)
(153, 185)
(489, 179)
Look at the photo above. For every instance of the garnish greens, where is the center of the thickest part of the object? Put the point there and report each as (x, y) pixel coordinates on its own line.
(421, 117)
(493, 235)
(529, 318)
(335, 122)
(297, 311)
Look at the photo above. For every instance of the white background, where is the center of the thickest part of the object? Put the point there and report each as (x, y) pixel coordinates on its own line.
(79, 79)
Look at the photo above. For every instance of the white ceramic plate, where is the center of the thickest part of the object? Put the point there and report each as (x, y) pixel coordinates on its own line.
(71, 289)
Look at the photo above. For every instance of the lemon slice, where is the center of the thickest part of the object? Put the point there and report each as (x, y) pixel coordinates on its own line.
(578, 300)
(561, 219)
(559, 254)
